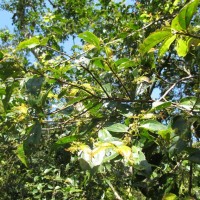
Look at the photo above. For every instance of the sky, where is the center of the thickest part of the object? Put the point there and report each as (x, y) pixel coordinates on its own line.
(6, 20)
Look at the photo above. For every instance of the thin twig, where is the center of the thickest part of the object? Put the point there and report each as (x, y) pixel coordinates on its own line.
(60, 52)
(71, 84)
(188, 34)
(190, 172)
(61, 109)
(80, 114)
(171, 88)
(72, 119)
(113, 189)
(86, 69)
(128, 100)
(119, 81)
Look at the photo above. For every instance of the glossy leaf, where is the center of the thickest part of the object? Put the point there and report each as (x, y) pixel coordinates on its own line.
(29, 43)
(90, 38)
(104, 135)
(125, 151)
(190, 103)
(165, 45)
(191, 10)
(153, 125)
(1, 107)
(182, 20)
(2, 91)
(158, 105)
(118, 128)
(1, 56)
(178, 23)
(166, 134)
(140, 161)
(124, 63)
(182, 47)
(154, 39)
(110, 155)
(21, 154)
(63, 141)
(170, 196)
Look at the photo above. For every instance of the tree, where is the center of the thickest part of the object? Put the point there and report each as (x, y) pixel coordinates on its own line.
(84, 123)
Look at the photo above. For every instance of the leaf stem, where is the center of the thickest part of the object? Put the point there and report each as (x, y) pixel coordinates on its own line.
(117, 196)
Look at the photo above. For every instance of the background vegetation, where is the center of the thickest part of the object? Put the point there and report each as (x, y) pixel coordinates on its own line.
(82, 122)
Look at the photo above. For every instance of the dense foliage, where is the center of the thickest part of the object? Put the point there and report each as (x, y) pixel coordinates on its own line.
(100, 99)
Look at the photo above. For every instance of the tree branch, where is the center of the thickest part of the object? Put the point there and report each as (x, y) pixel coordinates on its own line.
(74, 85)
(86, 69)
(113, 189)
(188, 34)
(172, 87)
(61, 109)
(119, 81)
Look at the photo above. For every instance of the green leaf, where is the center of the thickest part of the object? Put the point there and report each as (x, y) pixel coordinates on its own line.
(181, 125)
(154, 39)
(21, 154)
(170, 196)
(177, 145)
(190, 103)
(182, 20)
(158, 105)
(9, 91)
(166, 44)
(1, 55)
(66, 140)
(98, 62)
(90, 38)
(108, 51)
(178, 23)
(182, 47)
(84, 164)
(63, 141)
(140, 161)
(44, 41)
(112, 154)
(44, 96)
(104, 135)
(195, 156)
(1, 107)
(124, 63)
(191, 10)
(34, 84)
(166, 134)
(29, 43)
(118, 128)
(34, 137)
(94, 109)
(153, 125)
(108, 88)
(2, 91)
